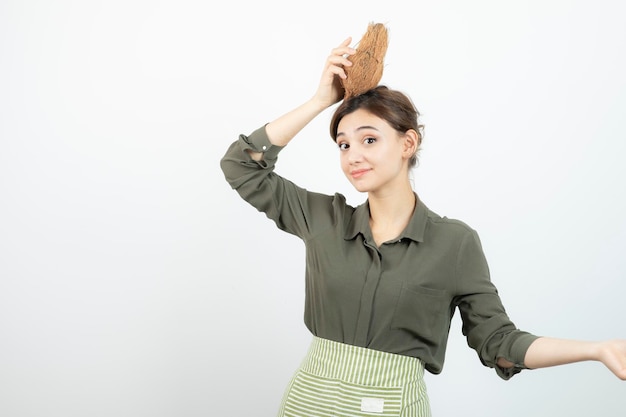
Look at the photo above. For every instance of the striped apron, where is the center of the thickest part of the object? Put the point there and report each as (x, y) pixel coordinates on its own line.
(340, 380)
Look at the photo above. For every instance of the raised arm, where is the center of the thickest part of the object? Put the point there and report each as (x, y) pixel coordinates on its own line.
(545, 352)
(329, 92)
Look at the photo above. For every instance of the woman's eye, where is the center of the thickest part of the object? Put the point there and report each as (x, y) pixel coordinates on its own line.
(370, 140)
(343, 146)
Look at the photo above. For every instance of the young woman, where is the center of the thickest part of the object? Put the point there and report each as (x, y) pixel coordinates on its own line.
(384, 278)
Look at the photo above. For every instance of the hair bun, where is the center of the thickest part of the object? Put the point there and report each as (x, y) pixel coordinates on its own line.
(366, 70)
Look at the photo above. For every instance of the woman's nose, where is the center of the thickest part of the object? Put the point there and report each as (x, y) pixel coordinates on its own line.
(355, 155)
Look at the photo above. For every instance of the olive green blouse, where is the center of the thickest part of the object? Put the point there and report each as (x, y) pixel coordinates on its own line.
(399, 297)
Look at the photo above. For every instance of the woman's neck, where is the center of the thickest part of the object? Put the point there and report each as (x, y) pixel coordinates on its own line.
(390, 213)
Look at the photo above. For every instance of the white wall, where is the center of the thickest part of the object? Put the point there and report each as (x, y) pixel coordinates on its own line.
(135, 282)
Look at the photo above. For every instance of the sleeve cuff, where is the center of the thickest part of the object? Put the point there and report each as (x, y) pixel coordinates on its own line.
(518, 353)
(258, 141)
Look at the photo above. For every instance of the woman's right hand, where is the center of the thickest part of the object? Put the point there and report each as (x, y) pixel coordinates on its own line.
(330, 89)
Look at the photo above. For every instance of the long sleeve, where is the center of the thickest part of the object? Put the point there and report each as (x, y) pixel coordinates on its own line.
(486, 324)
(288, 205)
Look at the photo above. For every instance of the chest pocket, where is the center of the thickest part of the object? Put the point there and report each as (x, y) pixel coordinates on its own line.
(421, 311)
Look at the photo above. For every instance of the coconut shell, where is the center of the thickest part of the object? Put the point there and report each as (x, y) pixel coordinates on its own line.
(367, 63)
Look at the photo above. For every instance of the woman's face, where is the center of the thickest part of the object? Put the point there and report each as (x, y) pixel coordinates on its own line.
(372, 153)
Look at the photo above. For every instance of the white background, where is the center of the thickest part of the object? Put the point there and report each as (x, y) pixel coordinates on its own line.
(135, 282)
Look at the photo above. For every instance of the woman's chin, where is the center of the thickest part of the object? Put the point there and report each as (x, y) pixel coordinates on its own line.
(362, 188)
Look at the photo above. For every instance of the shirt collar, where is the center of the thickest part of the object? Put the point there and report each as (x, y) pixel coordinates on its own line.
(359, 223)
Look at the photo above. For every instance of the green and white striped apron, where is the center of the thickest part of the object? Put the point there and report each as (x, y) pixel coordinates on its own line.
(340, 380)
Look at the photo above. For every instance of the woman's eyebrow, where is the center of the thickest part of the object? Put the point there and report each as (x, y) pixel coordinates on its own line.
(358, 128)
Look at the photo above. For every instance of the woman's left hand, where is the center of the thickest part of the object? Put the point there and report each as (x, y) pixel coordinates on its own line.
(612, 353)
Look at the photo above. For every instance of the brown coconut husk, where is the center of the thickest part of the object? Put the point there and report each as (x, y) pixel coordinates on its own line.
(367, 63)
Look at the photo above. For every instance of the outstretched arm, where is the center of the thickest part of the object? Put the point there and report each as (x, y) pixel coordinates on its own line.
(545, 352)
(329, 92)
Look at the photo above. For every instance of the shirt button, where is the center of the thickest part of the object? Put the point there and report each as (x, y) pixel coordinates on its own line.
(264, 147)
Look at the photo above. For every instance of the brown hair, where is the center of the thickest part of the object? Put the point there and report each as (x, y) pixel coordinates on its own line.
(393, 106)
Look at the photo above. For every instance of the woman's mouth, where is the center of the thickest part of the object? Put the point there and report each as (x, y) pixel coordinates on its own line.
(358, 173)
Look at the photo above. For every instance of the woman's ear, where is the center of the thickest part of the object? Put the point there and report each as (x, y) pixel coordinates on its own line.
(410, 144)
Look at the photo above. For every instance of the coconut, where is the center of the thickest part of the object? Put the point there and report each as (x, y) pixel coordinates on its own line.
(366, 70)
